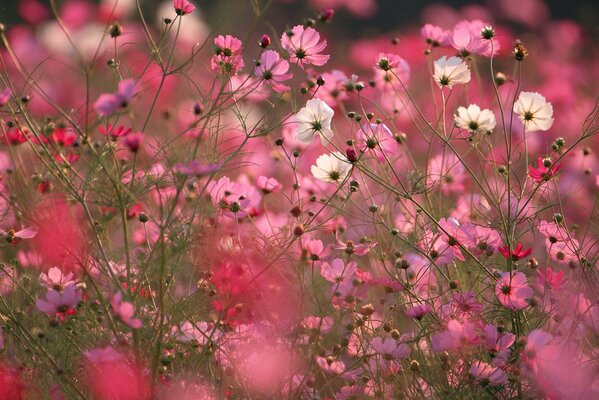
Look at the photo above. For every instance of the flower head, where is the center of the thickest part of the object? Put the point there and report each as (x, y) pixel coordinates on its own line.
(516, 254)
(227, 55)
(534, 111)
(315, 118)
(545, 170)
(183, 7)
(109, 103)
(331, 168)
(451, 71)
(473, 119)
(513, 291)
(304, 46)
(273, 70)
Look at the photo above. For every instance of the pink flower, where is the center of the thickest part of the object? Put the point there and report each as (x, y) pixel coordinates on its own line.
(109, 103)
(418, 311)
(63, 137)
(329, 365)
(378, 139)
(268, 185)
(13, 236)
(467, 39)
(337, 271)
(350, 247)
(60, 303)
(487, 374)
(304, 47)
(227, 58)
(390, 68)
(56, 279)
(513, 291)
(234, 198)
(480, 239)
(538, 350)
(318, 324)
(183, 7)
(134, 141)
(456, 336)
(114, 132)
(315, 249)
(543, 172)
(197, 168)
(447, 172)
(389, 348)
(125, 310)
(273, 70)
(435, 35)
(547, 279)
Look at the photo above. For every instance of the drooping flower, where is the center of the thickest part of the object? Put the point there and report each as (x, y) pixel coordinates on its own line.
(11, 236)
(183, 7)
(109, 103)
(332, 168)
(391, 68)
(473, 119)
(227, 57)
(534, 111)
(487, 374)
(451, 71)
(304, 46)
(545, 170)
(273, 70)
(314, 119)
(435, 35)
(513, 291)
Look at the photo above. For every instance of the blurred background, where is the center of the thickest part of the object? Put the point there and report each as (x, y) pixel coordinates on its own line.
(367, 16)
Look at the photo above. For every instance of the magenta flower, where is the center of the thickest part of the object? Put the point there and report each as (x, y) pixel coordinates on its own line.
(183, 7)
(125, 310)
(545, 170)
(109, 103)
(133, 141)
(513, 291)
(517, 254)
(304, 47)
(418, 311)
(60, 303)
(227, 57)
(273, 70)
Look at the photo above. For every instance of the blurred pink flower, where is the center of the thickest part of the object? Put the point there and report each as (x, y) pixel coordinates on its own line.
(183, 7)
(513, 291)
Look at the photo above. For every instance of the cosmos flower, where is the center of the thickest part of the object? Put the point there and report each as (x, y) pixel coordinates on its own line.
(451, 71)
(227, 55)
(332, 168)
(513, 291)
(273, 71)
(473, 119)
(534, 111)
(109, 103)
(183, 7)
(304, 46)
(314, 119)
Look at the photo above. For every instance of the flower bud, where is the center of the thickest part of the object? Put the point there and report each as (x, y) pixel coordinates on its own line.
(264, 41)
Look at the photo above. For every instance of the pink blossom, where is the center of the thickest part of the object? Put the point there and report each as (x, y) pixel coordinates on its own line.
(467, 39)
(547, 279)
(418, 311)
(304, 46)
(13, 236)
(109, 103)
(456, 336)
(435, 35)
(5, 96)
(513, 291)
(351, 247)
(60, 303)
(391, 69)
(337, 271)
(315, 249)
(389, 348)
(268, 185)
(329, 365)
(378, 139)
(480, 239)
(56, 279)
(487, 374)
(234, 198)
(125, 310)
(273, 70)
(543, 173)
(183, 7)
(228, 55)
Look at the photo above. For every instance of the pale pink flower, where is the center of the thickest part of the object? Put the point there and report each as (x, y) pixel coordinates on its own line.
(315, 249)
(56, 279)
(337, 271)
(389, 348)
(457, 335)
(125, 310)
(547, 279)
(487, 374)
(435, 35)
(497, 342)
(351, 247)
(466, 37)
(5, 96)
(447, 172)
(535, 113)
(268, 185)
(12, 236)
(391, 69)
(450, 71)
(329, 365)
(513, 291)
(318, 324)
(418, 311)
(273, 70)
(304, 46)
(200, 332)
(480, 239)
(378, 139)
(109, 103)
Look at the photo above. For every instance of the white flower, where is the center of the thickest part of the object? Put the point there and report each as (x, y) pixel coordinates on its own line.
(473, 119)
(331, 168)
(314, 118)
(534, 111)
(449, 71)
